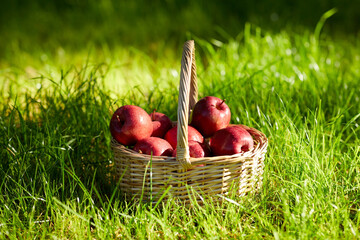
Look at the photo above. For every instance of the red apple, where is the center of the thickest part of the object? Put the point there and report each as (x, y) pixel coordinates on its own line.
(197, 150)
(155, 146)
(130, 124)
(161, 124)
(193, 134)
(231, 140)
(209, 115)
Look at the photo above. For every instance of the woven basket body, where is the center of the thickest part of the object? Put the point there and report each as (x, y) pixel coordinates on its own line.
(149, 177)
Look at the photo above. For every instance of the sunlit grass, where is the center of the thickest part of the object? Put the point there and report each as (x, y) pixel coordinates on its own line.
(302, 92)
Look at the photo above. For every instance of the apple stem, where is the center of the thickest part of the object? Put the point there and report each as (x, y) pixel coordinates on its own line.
(153, 115)
(121, 122)
(222, 102)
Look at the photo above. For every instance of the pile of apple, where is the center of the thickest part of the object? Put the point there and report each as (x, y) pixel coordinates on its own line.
(209, 133)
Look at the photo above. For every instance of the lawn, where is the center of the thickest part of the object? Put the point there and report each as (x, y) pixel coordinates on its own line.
(298, 84)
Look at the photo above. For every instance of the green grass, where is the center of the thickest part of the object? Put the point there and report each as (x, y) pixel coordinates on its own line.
(300, 89)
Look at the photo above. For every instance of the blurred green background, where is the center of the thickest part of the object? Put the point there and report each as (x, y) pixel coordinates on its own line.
(42, 25)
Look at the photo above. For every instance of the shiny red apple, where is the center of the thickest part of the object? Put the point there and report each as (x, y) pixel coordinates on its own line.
(154, 146)
(197, 150)
(231, 140)
(193, 134)
(130, 124)
(209, 115)
(161, 124)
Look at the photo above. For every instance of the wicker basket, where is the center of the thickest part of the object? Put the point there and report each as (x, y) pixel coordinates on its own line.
(149, 177)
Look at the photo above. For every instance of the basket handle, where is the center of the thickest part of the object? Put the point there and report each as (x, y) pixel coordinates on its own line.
(188, 93)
